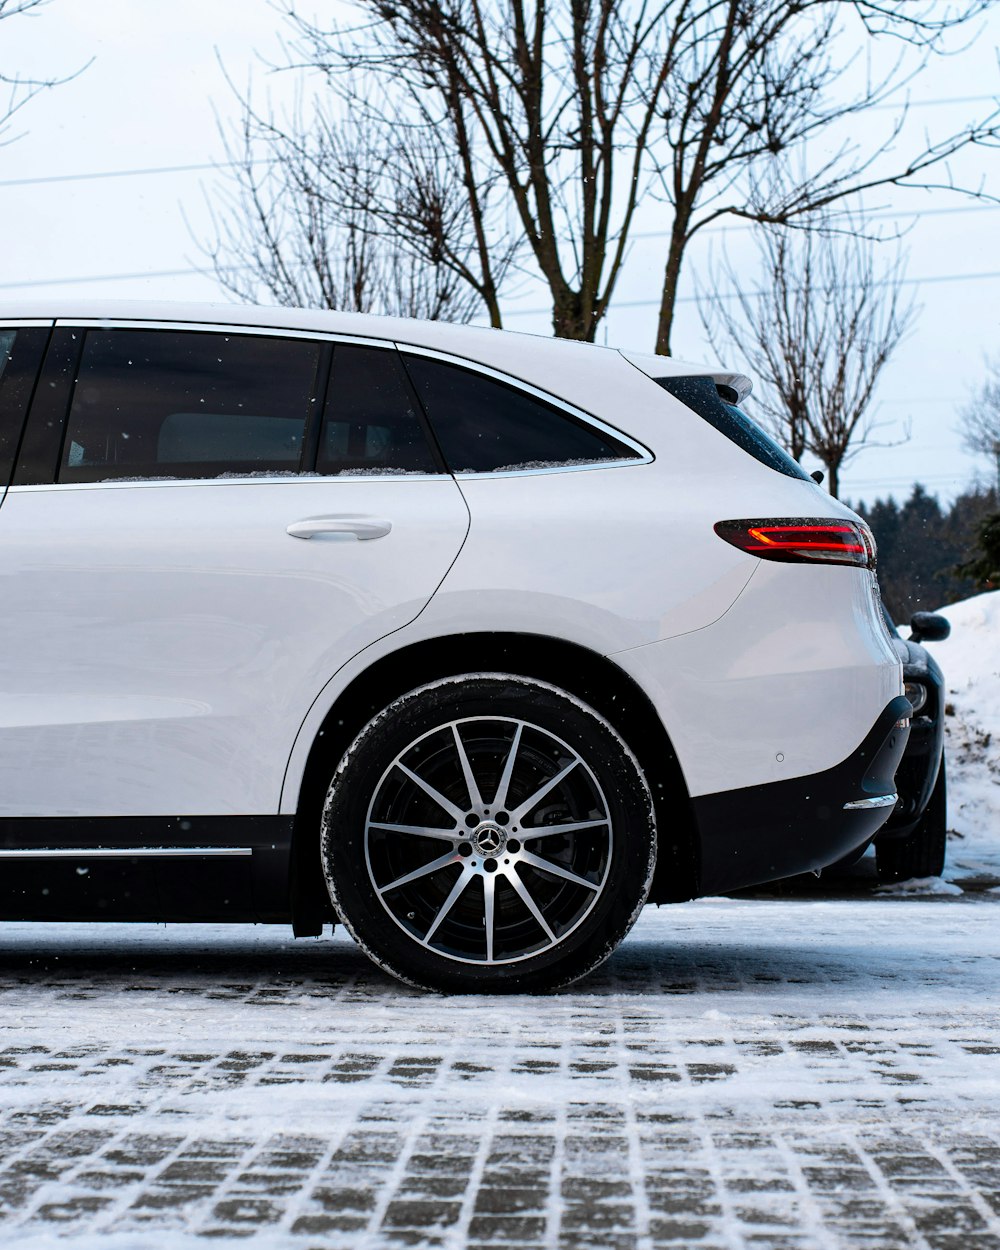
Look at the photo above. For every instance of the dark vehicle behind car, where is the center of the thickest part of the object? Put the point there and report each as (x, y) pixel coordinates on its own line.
(912, 842)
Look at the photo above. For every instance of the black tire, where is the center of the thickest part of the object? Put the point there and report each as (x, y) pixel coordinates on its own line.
(421, 903)
(921, 853)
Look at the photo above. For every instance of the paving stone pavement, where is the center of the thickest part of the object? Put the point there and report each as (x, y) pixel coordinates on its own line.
(742, 1074)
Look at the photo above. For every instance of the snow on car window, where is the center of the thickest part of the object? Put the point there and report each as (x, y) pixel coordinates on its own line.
(525, 465)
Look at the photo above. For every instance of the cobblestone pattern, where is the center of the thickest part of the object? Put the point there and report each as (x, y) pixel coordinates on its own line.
(619, 1117)
(617, 1174)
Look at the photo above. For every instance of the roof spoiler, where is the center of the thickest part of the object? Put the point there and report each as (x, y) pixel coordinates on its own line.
(667, 367)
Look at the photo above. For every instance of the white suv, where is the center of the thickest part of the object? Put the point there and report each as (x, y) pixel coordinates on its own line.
(474, 641)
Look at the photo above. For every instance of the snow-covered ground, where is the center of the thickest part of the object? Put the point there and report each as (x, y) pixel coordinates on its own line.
(970, 660)
(742, 1073)
(814, 1072)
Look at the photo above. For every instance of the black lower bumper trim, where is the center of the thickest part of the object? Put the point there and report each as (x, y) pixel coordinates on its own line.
(766, 832)
(161, 868)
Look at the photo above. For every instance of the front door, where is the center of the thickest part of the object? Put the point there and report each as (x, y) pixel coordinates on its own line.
(204, 556)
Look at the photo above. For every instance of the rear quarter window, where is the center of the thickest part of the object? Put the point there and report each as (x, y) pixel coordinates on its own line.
(486, 426)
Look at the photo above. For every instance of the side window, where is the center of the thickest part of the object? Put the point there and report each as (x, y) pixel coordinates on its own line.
(485, 426)
(7, 338)
(371, 424)
(20, 355)
(188, 404)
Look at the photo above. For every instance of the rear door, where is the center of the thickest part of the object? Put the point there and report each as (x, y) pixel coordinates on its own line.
(189, 553)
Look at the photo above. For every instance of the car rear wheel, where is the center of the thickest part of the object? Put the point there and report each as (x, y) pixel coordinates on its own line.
(488, 833)
(921, 853)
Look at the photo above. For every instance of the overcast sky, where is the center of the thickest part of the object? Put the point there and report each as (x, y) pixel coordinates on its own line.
(149, 100)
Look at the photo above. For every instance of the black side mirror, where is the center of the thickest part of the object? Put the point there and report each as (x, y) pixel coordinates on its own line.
(929, 627)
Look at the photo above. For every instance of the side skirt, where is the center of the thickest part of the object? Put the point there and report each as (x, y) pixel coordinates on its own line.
(213, 868)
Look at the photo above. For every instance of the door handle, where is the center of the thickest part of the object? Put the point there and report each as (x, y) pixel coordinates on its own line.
(363, 528)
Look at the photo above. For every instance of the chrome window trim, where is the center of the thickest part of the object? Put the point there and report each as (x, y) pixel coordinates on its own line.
(643, 454)
(213, 327)
(117, 483)
(24, 323)
(121, 852)
(465, 475)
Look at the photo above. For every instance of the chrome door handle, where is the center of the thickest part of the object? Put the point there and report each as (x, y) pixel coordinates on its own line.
(363, 528)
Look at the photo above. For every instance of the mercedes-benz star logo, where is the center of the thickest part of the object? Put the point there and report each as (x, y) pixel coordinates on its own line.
(489, 839)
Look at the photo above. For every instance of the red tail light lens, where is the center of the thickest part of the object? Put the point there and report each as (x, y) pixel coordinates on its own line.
(805, 540)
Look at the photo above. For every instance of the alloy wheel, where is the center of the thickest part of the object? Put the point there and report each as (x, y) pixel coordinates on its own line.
(488, 840)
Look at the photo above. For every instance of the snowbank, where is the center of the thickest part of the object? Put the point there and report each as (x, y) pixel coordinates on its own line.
(970, 660)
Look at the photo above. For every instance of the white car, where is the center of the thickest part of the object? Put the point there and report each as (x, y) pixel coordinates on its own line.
(473, 641)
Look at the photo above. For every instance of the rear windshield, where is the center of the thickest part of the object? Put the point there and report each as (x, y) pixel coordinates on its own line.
(711, 401)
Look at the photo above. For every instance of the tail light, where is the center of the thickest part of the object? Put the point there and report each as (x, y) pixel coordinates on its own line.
(803, 540)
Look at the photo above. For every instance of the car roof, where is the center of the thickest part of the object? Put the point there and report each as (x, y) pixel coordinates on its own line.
(601, 381)
(473, 342)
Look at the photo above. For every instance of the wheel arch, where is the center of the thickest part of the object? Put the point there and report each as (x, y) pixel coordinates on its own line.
(594, 678)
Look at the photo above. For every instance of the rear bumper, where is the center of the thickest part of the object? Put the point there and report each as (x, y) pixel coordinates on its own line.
(765, 832)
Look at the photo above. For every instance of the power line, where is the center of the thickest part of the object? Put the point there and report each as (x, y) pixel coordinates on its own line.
(921, 104)
(888, 214)
(727, 295)
(103, 277)
(894, 483)
(151, 170)
(919, 399)
(929, 279)
(124, 173)
(885, 215)
(516, 312)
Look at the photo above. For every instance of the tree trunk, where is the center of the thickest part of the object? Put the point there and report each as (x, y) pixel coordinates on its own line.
(493, 307)
(671, 278)
(571, 320)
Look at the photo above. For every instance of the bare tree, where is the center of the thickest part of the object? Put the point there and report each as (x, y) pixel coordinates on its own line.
(298, 223)
(19, 89)
(555, 124)
(760, 82)
(980, 420)
(817, 335)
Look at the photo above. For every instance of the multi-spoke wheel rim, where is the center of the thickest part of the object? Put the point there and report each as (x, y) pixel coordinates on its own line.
(488, 840)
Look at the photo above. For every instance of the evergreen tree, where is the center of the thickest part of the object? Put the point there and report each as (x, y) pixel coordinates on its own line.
(924, 552)
(985, 568)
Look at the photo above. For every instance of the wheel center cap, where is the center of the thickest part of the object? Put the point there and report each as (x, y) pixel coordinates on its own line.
(489, 839)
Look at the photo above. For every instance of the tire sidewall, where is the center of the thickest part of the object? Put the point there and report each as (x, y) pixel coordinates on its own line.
(497, 695)
(923, 852)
